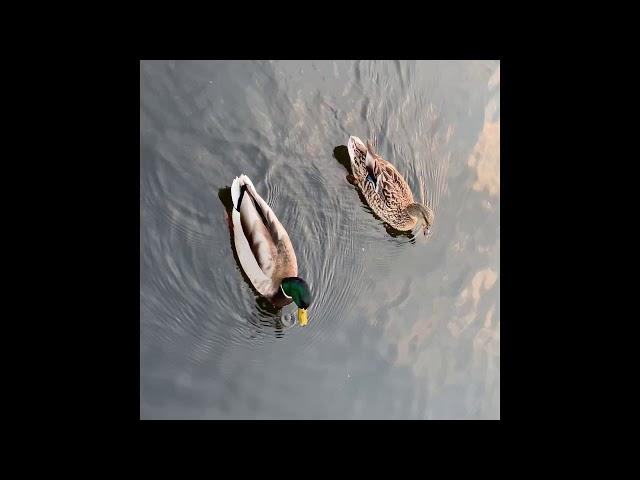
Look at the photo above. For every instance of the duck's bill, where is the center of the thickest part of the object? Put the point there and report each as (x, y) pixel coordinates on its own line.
(302, 317)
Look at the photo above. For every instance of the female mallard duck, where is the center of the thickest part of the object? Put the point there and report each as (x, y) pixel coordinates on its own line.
(387, 193)
(265, 251)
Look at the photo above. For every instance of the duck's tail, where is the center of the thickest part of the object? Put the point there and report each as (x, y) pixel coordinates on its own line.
(357, 149)
(238, 187)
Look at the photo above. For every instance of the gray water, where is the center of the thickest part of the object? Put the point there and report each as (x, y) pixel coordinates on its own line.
(402, 327)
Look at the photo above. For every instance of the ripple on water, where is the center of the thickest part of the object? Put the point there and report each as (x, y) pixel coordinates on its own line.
(335, 236)
(208, 340)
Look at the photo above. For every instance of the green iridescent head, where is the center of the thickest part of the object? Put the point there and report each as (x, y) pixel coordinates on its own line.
(298, 290)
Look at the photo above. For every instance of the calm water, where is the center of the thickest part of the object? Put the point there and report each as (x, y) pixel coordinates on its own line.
(402, 327)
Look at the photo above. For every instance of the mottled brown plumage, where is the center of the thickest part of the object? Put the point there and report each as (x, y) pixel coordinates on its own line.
(385, 190)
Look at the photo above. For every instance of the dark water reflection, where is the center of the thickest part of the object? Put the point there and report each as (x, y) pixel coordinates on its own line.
(402, 326)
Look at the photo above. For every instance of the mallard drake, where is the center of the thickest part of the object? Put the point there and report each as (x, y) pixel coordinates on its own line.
(385, 190)
(265, 251)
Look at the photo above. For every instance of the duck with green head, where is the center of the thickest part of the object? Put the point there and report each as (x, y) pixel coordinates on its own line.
(265, 251)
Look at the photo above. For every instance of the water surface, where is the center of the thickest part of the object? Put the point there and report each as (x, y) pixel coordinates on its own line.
(402, 327)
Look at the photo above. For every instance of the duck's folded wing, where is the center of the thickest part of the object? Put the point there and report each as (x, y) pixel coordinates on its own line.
(373, 162)
(254, 244)
(278, 233)
(397, 185)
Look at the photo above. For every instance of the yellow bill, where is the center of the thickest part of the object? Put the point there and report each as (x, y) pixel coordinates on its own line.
(302, 317)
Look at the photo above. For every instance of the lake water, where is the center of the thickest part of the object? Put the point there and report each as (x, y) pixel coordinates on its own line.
(401, 327)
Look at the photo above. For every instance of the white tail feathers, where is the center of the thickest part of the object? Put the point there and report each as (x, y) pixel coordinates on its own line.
(246, 181)
(236, 188)
(235, 191)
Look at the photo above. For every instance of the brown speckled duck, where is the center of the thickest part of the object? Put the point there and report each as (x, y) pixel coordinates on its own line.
(386, 192)
(265, 251)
